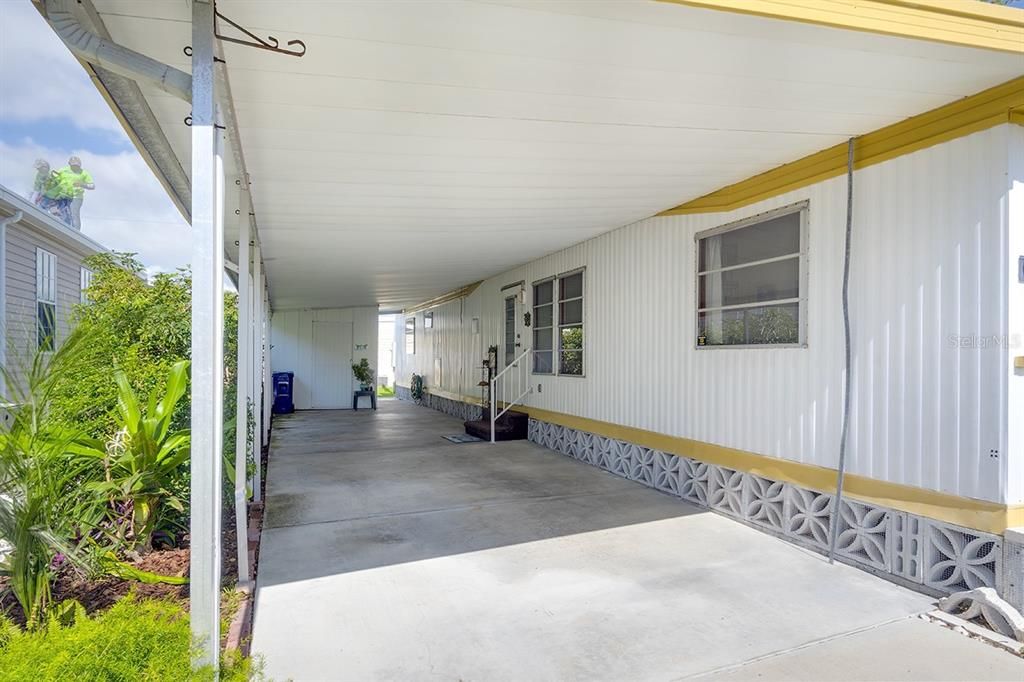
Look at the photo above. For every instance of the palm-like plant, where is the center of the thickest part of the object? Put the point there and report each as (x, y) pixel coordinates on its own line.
(44, 514)
(142, 459)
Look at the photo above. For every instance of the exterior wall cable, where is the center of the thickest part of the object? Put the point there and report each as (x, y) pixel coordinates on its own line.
(841, 470)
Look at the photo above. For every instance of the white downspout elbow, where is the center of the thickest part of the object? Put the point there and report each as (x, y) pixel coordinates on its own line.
(94, 49)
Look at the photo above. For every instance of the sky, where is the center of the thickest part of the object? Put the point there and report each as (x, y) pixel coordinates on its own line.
(49, 109)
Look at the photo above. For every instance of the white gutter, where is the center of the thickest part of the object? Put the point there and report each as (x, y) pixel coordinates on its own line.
(4, 222)
(94, 49)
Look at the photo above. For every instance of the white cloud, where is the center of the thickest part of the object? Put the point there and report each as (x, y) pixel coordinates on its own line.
(46, 88)
(128, 210)
(40, 77)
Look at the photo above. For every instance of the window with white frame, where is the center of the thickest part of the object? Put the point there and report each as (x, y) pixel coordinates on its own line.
(751, 281)
(558, 325)
(570, 324)
(410, 336)
(85, 283)
(46, 300)
(544, 327)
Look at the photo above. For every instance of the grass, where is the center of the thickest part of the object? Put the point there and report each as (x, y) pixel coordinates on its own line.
(385, 392)
(133, 640)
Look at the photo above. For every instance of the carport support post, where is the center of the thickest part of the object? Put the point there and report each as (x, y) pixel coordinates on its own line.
(207, 344)
(257, 370)
(243, 377)
(268, 390)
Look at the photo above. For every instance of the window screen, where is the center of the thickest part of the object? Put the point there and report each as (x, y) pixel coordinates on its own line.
(570, 324)
(750, 283)
(543, 327)
(46, 300)
(510, 330)
(410, 336)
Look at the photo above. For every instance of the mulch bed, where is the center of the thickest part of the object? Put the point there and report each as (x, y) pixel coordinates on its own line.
(96, 595)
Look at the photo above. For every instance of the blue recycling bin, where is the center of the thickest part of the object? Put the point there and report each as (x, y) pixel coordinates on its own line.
(283, 384)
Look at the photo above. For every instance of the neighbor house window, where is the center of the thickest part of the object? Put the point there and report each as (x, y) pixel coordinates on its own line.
(86, 282)
(46, 300)
(570, 324)
(751, 284)
(543, 327)
(410, 336)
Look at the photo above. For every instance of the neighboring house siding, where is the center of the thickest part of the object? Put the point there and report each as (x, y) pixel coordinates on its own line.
(22, 242)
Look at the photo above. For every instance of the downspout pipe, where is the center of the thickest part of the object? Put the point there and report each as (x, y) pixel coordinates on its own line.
(837, 499)
(4, 222)
(97, 50)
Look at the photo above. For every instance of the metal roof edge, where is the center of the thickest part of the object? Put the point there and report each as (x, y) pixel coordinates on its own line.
(10, 203)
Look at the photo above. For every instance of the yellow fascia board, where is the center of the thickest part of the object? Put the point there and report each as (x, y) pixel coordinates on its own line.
(1001, 104)
(990, 517)
(967, 23)
(443, 298)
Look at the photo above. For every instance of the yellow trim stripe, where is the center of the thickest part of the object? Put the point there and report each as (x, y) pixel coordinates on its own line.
(966, 23)
(443, 298)
(982, 515)
(990, 517)
(1001, 104)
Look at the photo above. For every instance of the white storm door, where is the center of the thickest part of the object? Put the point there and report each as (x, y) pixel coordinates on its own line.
(332, 365)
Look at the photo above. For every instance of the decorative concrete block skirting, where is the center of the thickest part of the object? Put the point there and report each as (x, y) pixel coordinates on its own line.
(456, 408)
(928, 555)
(932, 556)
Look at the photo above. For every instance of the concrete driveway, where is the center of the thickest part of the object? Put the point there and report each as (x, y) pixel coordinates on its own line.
(392, 554)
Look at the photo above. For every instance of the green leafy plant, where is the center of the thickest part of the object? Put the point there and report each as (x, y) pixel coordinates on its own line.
(363, 373)
(133, 640)
(45, 515)
(142, 328)
(141, 460)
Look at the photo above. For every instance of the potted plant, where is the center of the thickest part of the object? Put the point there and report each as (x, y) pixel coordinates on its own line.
(364, 375)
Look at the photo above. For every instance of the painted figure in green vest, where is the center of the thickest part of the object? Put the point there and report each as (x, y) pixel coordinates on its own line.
(79, 180)
(52, 192)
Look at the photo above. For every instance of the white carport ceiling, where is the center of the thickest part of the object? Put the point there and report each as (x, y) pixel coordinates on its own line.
(420, 146)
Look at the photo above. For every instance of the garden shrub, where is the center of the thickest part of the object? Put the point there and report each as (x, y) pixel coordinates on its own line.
(133, 640)
(143, 330)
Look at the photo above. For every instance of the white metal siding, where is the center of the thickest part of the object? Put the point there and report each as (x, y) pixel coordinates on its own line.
(928, 269)
(1014, 447)
(292, 343)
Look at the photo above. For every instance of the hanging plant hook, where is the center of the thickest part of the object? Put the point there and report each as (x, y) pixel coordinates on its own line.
(270, 44)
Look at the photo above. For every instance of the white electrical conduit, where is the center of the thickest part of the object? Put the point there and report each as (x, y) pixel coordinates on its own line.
(94, 49)
(837, 500)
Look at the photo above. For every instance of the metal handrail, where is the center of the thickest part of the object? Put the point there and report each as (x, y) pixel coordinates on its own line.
(494, 395)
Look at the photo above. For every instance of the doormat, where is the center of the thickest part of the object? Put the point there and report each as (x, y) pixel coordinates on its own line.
(463, 438)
